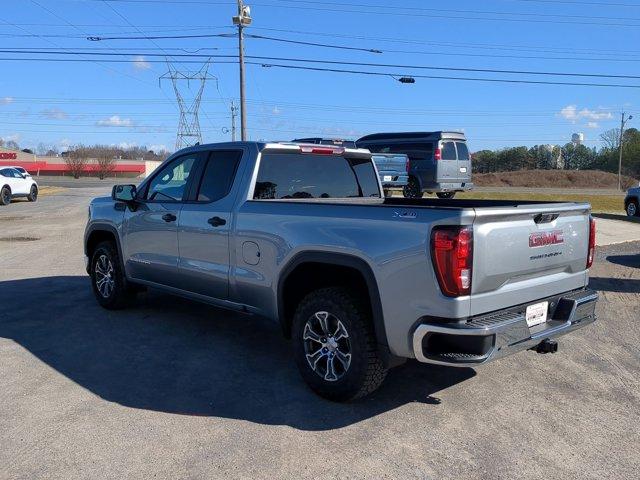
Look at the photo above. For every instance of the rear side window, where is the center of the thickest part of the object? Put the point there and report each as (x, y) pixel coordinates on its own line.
(283, 176)
(448, 151)
(218, 175)
(463, 151)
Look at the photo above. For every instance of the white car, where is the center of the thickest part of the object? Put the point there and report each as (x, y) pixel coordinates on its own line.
(14, 184)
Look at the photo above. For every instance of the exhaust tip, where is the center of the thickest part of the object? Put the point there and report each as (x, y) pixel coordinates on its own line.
(547, 346)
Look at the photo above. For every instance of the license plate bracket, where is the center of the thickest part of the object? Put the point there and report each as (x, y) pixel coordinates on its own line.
(537, 313)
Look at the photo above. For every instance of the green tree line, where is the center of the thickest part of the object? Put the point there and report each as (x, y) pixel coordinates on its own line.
(568, 157)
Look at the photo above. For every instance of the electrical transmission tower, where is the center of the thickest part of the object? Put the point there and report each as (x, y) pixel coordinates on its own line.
(189, 127)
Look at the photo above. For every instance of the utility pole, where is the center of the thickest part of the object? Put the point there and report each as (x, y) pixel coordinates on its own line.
(234, 112)
(241, 20)
(623, 122)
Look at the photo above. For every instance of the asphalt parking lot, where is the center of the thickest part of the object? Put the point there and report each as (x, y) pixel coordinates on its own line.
(172, 389)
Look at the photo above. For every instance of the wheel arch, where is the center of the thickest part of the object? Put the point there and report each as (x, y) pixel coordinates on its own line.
(100, 232)
(353, 271)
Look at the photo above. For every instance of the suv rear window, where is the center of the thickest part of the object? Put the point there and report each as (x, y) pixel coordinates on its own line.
(448, 151)
(287, 175)
(463, 151)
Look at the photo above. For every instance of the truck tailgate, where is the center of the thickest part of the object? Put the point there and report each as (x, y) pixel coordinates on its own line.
(527, 252)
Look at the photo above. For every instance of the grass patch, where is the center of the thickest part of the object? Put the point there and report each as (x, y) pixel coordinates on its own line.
(43, 191)
(599, 203)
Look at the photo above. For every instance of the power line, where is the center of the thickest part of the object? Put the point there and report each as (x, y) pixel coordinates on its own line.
(342, 62)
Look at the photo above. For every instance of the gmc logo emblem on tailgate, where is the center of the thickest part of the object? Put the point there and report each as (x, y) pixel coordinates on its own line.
(542, 239)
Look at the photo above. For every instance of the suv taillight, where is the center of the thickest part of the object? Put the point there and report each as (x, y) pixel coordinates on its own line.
(437, 154)
(592, 242)
(407, 165)
(452, 256)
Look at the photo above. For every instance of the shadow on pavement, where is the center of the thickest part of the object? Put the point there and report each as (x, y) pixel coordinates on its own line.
(620, 285)
(171, 355)
(632, 261)
(622, 217)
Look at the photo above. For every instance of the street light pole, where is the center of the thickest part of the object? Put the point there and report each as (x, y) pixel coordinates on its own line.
(623, 122)
(241, 20)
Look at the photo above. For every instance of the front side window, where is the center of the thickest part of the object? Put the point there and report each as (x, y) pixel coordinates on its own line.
(170, 183)
(284, 176)
(448, 151)
(218, 175)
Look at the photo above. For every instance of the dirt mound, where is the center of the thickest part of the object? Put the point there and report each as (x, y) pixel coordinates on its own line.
(552, 179)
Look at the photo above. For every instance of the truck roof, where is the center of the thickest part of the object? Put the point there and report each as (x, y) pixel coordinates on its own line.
(412, 136)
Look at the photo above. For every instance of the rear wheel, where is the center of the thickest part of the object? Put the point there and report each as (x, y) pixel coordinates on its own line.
(412, 189)
(107, 278)
(632, 209)
(33, 194)
(5, 196)
(445, 195)
(334, 345)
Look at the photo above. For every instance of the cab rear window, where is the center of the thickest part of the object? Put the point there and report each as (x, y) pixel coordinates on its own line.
(286, 176)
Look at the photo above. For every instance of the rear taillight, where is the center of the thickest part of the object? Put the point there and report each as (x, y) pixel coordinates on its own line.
(592, 242)
(407, 165)
(452, 255)
(437, 154)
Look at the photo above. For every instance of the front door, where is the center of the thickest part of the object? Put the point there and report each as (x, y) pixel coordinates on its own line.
(204, 226)
(150, 227)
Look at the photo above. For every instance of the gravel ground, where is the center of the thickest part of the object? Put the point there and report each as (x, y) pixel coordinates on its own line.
(171, 389)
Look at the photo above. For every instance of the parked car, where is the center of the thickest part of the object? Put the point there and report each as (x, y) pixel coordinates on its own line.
(336, 142)
(393, 170)
(15, 184)
(632, 202)
(301, 235)
(439, 161)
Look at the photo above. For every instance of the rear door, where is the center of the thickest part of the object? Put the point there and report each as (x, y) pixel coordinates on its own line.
(205, 223)
(447, 166)
(464, 162)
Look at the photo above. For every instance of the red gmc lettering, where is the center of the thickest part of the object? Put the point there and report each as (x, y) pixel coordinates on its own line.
(542, 239)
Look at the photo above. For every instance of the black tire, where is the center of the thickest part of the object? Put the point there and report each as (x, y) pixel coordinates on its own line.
(120, 295)
(412, 189)
(633, 209)
(5, 195)
(445, 195)
(365, 372)
(33, 194)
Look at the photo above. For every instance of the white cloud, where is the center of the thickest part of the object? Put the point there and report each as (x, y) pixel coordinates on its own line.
(571, 113)
(115, 121)
(159, 148)
(276, 110)
(593, 125)
(140, 63)
(6, 100)
(125, 145)
(54, 114)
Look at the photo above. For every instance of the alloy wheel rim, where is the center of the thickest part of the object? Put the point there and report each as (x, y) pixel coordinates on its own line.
(631, 209)
(327, 346)
(34, 192)
(5, 195)
(104, 276)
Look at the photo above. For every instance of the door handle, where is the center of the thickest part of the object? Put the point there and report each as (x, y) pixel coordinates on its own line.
(169, 217)
(216, 221)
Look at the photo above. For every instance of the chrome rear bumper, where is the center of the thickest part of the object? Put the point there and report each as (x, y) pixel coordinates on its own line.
(492, 336)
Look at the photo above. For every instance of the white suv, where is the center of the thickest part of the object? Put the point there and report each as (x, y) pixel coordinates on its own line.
(14, 183)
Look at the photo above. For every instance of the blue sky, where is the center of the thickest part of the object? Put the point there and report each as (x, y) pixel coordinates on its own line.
(122, 103)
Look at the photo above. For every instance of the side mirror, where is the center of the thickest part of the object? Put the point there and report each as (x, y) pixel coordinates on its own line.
(124, 193)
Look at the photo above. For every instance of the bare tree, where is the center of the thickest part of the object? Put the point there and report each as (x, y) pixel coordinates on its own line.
(105, 163)
(76, 161)
(611, 139)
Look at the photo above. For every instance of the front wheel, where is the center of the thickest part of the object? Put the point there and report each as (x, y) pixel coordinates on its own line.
(445, 195)
(632, 209)
(5, 196)
(107, 278)
(33, 194)
(334, 345)
(412, 189)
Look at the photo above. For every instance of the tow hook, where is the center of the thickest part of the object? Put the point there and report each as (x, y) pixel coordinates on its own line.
(547, 346)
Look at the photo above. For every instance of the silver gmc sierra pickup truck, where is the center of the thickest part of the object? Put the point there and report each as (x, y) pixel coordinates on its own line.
(301, 234)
